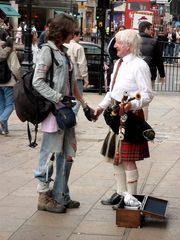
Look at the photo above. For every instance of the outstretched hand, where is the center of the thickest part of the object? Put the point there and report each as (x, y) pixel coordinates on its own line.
(89, 113)
(97, 112)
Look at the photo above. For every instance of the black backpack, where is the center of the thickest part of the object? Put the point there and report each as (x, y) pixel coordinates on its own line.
(5, 72)
(30, 106)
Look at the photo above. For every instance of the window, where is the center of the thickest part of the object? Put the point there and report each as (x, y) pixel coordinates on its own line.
(135, 6)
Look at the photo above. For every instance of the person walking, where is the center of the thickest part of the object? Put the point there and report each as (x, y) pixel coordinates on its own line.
(131, 73)
(152, 54)
(56, 140)
(78, 58)
(7, 53)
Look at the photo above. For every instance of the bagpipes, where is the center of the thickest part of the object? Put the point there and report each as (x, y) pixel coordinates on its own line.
(130, 126)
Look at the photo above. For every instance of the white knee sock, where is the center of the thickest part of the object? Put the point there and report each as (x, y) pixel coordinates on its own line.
(132, 178)
(120, 178)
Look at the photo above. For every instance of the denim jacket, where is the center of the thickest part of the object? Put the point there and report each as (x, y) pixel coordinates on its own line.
(60, 77)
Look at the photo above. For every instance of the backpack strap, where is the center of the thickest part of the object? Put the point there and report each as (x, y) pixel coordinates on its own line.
(33, 143)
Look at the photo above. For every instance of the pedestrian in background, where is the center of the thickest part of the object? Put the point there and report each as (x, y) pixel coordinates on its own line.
(177, 47)
(7, 53)
(131, 73)
(152, 54)
(43, 35)
(56, 140)
(19, 35)
(76, 53)
(170, 38)
(35, 49)
(112, 52)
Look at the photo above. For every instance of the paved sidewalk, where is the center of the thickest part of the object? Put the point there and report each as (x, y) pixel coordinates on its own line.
(91, 180)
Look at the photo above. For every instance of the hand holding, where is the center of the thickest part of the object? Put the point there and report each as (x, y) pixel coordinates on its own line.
(97, 112)
(89, 113)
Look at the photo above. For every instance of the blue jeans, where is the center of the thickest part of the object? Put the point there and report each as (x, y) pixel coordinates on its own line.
(169, 52)
(78, 104)
(177, 49)
(6, 105)
(60, 187)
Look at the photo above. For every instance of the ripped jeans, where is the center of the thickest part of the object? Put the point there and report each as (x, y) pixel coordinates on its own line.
(45, 171)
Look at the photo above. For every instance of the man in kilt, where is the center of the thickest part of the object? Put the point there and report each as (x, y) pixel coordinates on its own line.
(132, 75)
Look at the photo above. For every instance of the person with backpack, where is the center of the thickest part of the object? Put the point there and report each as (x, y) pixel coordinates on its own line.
(9, 74)
(62, 142)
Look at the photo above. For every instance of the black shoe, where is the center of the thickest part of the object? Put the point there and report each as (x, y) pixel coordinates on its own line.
(113, 200)
(72, 204)
(119, 205)
(115, 207)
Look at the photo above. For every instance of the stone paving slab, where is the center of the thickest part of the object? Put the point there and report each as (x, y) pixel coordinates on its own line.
(90, 181)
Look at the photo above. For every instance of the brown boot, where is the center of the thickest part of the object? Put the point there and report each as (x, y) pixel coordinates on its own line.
(47, 203)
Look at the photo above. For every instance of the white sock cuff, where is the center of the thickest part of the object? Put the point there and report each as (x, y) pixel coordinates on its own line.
(132, 176)
(118, 170)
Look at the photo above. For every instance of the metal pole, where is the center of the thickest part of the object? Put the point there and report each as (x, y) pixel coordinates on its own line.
(111, 18)
(81, 24)
(27, 61)
(102, 48)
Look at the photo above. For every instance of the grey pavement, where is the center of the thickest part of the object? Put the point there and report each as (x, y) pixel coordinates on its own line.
(90, 181)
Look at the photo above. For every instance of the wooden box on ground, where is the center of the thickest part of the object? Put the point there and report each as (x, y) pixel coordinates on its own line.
(150, 207)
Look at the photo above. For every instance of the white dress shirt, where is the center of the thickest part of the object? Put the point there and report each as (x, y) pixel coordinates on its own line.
(133, 76)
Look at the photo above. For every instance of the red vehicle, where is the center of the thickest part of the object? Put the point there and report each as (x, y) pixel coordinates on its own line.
(139, 10)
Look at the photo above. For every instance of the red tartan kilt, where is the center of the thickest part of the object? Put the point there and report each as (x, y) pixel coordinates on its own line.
(134, 151)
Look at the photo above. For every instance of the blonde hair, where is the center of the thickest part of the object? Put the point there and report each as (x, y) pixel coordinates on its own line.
(131, 38)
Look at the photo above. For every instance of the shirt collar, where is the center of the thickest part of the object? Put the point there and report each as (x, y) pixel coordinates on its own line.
(128, 58)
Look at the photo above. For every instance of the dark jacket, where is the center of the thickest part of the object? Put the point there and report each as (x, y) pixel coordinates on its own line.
(152, 54)
(111, 50)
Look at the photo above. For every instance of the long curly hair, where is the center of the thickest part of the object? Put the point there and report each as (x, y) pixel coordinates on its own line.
(61, 27)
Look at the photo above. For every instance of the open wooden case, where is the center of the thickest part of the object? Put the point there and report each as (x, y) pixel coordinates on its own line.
(132, 218)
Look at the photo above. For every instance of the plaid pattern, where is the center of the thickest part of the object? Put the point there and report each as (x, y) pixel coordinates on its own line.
(134, 151)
